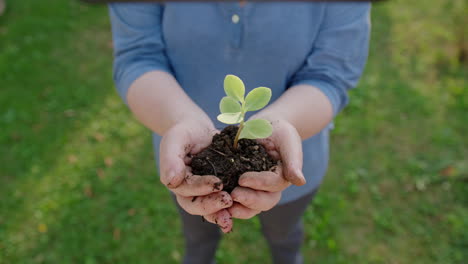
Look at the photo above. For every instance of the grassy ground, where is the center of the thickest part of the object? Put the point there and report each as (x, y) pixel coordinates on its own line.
(77, 177)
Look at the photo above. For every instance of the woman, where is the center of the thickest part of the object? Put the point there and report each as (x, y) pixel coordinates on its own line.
(170, 62)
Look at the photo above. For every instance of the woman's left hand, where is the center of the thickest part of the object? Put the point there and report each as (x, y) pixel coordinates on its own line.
(261, 191)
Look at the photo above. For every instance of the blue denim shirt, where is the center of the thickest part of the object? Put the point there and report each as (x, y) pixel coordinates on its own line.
(277, 45)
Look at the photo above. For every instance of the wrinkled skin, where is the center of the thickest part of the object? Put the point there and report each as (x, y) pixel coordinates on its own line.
(202, 195)
(261, 191)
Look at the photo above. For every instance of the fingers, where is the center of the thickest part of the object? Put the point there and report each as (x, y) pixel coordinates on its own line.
(267, 143)
(241, 212)
(289, 145)
(172, 150)
(287, 142)
(274, 154)
(205, 205)
(253, 199)
(269, 181)
(222, 218)
(177, 142)
(195, 185)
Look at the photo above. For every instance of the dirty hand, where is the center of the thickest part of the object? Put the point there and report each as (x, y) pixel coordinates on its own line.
(197, 195)
(261, 191)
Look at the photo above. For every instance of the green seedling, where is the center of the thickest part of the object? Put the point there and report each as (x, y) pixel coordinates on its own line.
(234, 106)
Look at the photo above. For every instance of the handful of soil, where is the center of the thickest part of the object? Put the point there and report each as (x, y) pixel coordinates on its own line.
(227, 163)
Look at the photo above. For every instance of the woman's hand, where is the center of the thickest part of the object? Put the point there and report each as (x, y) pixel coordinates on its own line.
(261, 191)
(197, 195)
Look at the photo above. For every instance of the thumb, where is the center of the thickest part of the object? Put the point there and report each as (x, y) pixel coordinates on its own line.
(289, 145)
(172, 150)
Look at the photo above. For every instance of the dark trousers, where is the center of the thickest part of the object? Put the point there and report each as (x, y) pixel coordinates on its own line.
(282, 227)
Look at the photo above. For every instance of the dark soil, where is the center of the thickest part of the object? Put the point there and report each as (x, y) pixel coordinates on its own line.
(228, 164)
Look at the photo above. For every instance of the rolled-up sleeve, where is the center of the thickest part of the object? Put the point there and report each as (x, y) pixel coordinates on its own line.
(339, 53)
(138, 42)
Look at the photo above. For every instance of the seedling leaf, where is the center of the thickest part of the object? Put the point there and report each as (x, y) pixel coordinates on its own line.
(229, 105)
(234, 87)
(230, 118)
(256, 128)
(257, 98)
(234, 106)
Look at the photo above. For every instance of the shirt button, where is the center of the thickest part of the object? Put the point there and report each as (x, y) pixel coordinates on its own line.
(235, 18)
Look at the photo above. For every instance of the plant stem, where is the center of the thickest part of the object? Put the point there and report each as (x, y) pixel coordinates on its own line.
(241, 125)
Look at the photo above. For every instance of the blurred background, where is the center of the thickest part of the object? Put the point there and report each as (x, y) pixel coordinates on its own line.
(78, 181)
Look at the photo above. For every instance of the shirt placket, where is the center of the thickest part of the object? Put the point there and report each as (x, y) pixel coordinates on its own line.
(237, 21)
(236, 16)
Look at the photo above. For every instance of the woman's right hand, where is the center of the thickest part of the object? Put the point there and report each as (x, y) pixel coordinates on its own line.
(197, 195)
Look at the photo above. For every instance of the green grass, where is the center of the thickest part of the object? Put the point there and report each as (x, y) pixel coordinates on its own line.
(77, 175)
